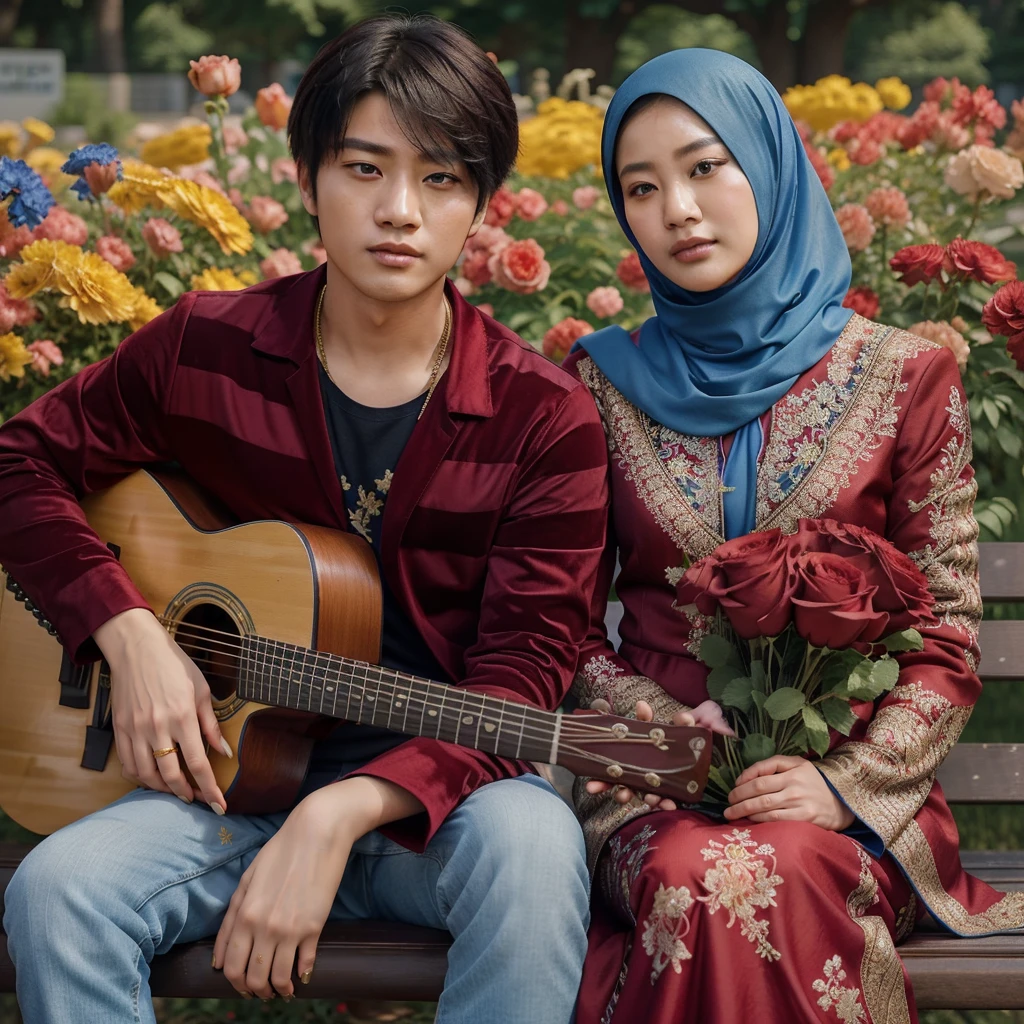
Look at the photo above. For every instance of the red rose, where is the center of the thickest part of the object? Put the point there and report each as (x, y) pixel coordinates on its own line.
(501, 207)
(901, 589)
(918, 264)
(984, 263)
(1003, 315)
(749, 579)
(863, 301)
(520, 267)
(832, 606)
(631, 274)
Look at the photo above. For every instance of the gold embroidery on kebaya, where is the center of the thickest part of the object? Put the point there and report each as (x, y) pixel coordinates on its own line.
(915, 856)
(881, 973)
(885, 778)
(665, 929)
(834, 994)
(743, 881)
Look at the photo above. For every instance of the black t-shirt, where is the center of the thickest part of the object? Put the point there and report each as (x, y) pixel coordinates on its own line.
(367, 444)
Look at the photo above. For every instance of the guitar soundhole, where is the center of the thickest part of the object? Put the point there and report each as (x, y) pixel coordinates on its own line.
(210, 637)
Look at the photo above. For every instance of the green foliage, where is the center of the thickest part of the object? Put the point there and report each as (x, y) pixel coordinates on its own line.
(85, 103)
(661, 28)
(165, 40)
(947, 41)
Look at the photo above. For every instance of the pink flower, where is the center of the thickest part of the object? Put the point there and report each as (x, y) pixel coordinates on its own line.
(45, 354)
(560, 338)
(236, 200)
(605, 302)
(486, 308)
(215, 76)
(949, 134)
(100, 177)
(283, 169)
(937, 89)
(865, 152)
(631, 274)
(207, 180)
(520, 267)
(239, 170)
(584, 197)
(476, 269)
(981, 106)
(822, 168)
(14, 312)
(161, 236)
(235, 136)
(280, 263)
(60, 225)
(266, 214)
(116, 252)
(920, 126)
(888, 206)
(12, 239)
(319, 253)
(530, 205)
(560, 207)
(464, 287)
(489, 238)
(273, 105)
(501, 208)
(945, 334)
(856, 225)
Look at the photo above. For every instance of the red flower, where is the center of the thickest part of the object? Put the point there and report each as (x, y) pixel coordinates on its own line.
(821, 166)
(501, 208)
(918, 264)
(1004, 315)
(749, 579)
(920, 126)
(833, 602)
(863, 301)
(981, 106)
(866, 152)
(984, 263)
(901, 588)
(631, 274)
(520, 267)
(558, 340)
(938, 89)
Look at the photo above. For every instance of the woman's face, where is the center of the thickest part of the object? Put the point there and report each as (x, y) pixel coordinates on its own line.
(687, 202)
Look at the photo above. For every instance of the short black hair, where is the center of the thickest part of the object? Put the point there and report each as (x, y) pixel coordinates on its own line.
(444, 91)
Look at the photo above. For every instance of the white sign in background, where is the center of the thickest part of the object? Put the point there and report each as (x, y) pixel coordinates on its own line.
(31, 82)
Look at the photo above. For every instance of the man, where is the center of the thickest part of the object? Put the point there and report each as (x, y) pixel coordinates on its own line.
(365, 395)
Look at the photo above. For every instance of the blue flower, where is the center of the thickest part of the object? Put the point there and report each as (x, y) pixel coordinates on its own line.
(101, 153)
(32, 199)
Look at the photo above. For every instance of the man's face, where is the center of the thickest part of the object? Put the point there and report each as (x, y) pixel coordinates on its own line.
(393, 219)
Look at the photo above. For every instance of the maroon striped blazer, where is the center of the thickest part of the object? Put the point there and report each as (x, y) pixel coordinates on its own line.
(492, 532)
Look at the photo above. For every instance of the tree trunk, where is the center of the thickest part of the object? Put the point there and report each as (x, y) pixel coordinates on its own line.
(593, 42)
(110, 35)
(774, 47)
(9, 11)
(823, 44)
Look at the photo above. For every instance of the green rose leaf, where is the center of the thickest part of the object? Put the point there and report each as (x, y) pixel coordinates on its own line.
(798, 743)
(885, 673)
(859, 683)
(758, 698)
(817, 730)
(716, 651)
(905, 640)
(838, 714)
(738, 694)
(838, 669)
(784, 703)
(757, 747)
(718, 679)
(758, 676)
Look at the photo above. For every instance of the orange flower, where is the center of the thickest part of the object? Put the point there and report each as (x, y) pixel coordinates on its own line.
(520, 267)
(215, 76)
(273, 105)
(560, 338)
(631, 273)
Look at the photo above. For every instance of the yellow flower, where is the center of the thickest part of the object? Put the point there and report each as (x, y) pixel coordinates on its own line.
(47, 162)
(23, 280)
(247, 277)
(140, 186)
(10, 138)
(14, 357)
(564, 137)
(146, 309)
(189, 144)
(895, 94)
(830, 100)
(215, 279)
(839, 159)
(39, 133)
(91, 287)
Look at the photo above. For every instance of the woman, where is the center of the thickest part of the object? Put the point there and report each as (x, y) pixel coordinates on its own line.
(752, 399)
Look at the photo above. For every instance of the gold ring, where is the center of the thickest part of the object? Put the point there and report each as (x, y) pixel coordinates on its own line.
(259, 958)
(164, 751)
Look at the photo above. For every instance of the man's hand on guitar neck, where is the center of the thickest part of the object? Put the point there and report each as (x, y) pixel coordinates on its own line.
(159, 700)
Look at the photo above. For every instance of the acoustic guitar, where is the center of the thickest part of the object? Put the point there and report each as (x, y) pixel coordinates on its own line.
(284, 622)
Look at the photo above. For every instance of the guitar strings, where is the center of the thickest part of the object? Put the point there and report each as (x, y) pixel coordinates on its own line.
(573, 727)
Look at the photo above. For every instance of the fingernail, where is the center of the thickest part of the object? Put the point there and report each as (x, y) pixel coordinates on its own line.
(217, 809)
(247, 995)
(213, 961)
(224, 745)
(304, 978)
(288, 999)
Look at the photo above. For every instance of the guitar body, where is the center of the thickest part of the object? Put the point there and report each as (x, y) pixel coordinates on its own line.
(309, 586)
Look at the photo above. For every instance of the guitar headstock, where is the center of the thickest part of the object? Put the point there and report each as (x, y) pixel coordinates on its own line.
(651, 757)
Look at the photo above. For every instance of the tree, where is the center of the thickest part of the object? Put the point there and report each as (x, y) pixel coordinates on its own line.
(109, 17)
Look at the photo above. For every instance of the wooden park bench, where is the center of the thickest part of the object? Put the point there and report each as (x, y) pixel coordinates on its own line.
(376, 959)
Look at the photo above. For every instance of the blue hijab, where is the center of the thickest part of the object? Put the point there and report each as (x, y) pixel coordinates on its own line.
(711, 363)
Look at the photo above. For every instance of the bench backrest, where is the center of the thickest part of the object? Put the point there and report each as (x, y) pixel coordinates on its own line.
(976, 773)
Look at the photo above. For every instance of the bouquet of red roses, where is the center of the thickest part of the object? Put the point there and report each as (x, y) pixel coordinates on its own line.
(805, 629)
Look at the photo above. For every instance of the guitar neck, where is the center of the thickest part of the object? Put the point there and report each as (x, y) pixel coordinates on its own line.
(289, 676)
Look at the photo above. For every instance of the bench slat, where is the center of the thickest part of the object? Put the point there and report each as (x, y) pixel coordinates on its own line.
(1001, 566)
(1002, 650)
(983, 773)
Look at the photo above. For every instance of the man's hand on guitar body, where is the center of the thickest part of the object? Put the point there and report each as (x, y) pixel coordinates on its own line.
(273, 922)
(159, 700)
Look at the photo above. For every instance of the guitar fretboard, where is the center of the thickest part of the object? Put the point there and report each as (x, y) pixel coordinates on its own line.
(285, 675)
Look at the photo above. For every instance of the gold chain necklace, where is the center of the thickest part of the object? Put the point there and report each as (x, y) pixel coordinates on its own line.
(435, 370)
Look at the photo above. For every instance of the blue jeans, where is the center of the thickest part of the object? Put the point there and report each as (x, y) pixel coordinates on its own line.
(91, 906)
